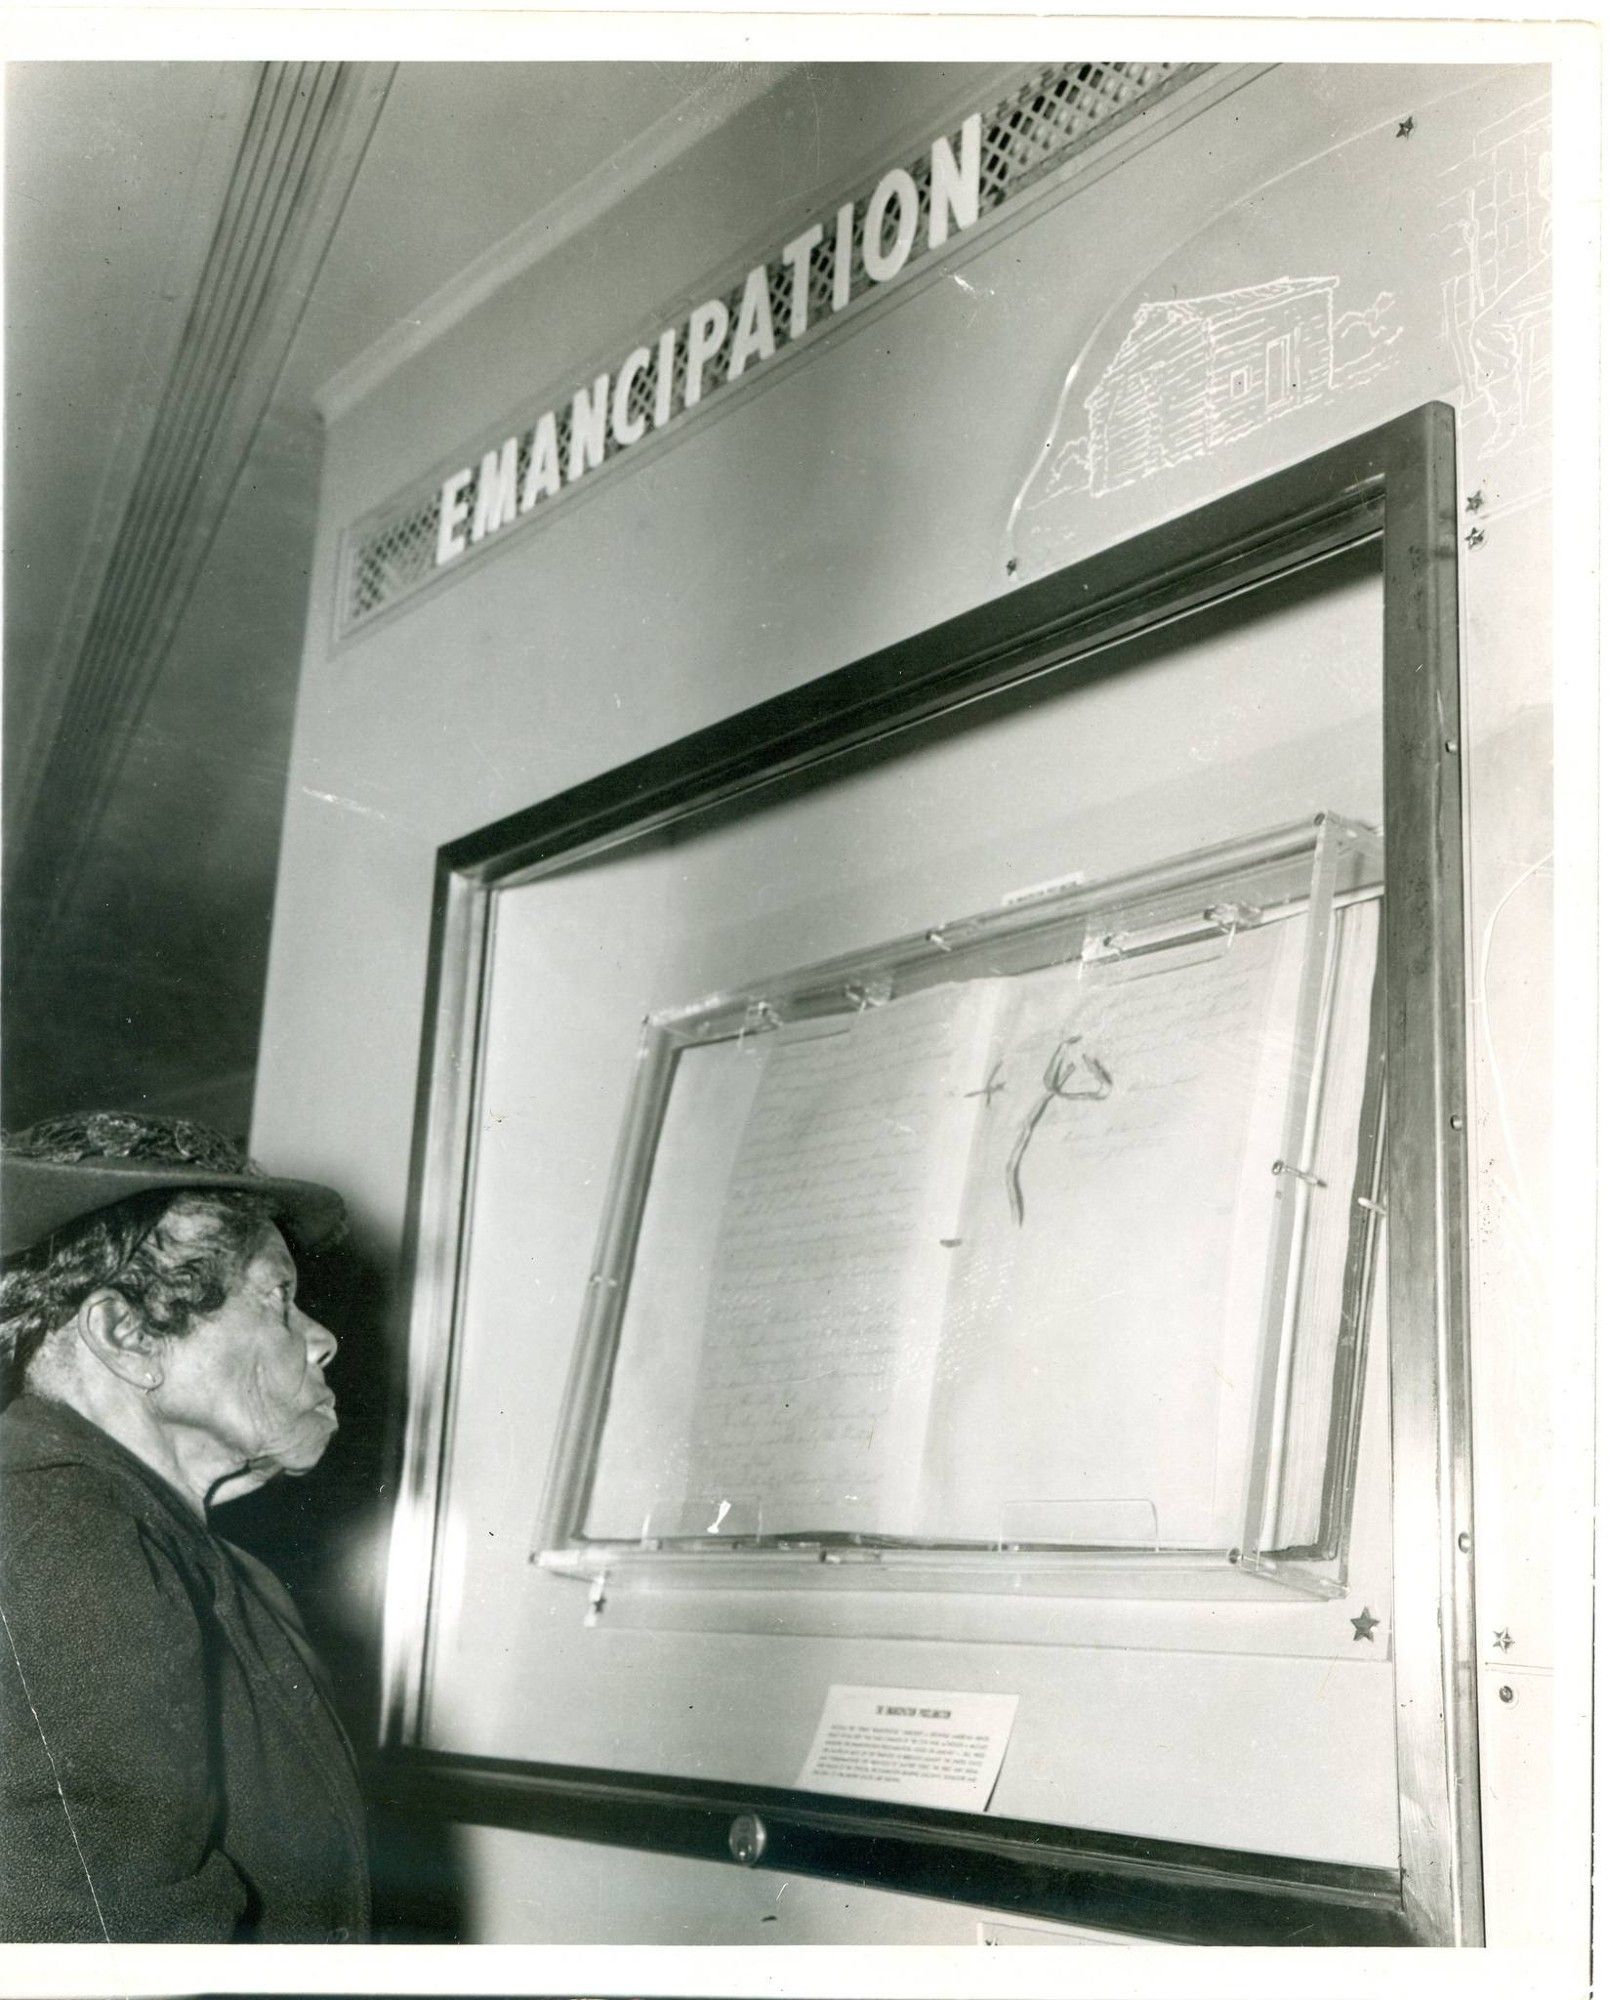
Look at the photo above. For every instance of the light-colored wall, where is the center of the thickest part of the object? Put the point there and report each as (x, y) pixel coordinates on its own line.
(869, 489)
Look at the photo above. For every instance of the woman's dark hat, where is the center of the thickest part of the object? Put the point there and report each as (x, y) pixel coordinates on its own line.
(55, 1172)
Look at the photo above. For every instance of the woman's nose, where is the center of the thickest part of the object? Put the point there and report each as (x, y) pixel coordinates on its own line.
(321, 1343)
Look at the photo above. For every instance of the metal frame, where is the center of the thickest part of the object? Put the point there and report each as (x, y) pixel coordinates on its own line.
(1396, 486)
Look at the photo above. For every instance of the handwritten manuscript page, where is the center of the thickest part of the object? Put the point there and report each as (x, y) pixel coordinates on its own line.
(1102, 1324)
(828, 1288)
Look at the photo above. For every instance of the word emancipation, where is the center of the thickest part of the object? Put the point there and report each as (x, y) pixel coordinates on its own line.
(685, 364)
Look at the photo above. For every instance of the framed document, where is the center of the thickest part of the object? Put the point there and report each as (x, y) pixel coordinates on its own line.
(866, 1272)
(938, 1249)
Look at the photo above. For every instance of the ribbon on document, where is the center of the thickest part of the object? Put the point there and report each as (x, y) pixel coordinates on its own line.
(1067, 1064)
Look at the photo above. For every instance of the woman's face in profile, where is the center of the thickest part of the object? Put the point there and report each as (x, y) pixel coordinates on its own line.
(249, 1378)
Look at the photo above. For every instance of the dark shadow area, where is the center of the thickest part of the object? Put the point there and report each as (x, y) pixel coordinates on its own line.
(325, 1537)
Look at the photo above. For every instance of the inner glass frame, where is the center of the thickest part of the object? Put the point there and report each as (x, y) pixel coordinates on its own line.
(853, 1347)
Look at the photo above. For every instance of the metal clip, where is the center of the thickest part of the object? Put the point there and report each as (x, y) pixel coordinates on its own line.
(1298, 1173)
(758, 1015)
(1232, 917)
(1226, 918)
(864, 993)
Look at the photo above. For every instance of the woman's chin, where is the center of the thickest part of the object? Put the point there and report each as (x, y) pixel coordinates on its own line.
(302, 1452)
(309, 1453)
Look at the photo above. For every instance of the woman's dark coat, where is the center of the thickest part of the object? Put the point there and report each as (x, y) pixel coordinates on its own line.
(171, 1769)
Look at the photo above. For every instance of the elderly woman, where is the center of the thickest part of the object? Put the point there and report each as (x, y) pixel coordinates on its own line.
(171, 1768)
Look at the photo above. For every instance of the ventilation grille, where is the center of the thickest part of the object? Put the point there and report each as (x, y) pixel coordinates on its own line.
(1024, 137)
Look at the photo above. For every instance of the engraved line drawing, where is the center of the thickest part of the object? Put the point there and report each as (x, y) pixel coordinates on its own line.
(1193, 374)
(1496, 303)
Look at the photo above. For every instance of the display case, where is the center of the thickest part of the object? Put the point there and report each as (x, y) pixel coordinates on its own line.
(946, 1189)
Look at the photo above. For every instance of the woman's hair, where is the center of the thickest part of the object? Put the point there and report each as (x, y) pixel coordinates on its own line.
(167, 1274)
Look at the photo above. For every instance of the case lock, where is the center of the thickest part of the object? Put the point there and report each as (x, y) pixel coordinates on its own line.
(746, 1839)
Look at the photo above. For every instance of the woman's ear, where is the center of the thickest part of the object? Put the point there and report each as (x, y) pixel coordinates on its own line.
(119, 1339)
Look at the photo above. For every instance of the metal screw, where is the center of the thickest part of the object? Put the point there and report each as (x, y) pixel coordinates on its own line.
(1505, 1693)
(1475, 502)
(1475, 539)
(1405, 129)
(1464, 1543)
(1451, 746)
(1457, 1122)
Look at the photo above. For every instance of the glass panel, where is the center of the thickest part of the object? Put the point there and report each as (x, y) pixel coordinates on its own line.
(711, 1660)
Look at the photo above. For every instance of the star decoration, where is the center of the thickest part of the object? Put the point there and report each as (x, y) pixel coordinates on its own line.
(1475, 502)
(1363, 1625)
(1474, 538)
(1503, 1640)
(1405, 129)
